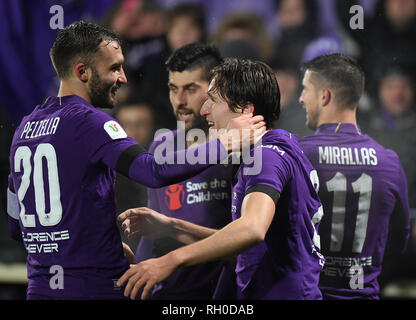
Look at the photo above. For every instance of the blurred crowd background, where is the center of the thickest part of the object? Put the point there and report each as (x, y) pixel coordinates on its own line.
(282, 33)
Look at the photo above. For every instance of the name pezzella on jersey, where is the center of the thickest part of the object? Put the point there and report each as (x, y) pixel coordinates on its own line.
(34, 129)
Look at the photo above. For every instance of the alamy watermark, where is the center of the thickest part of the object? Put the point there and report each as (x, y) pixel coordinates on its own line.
(172, 149)
(57, 20)
(57, 280)
(357, 20)
(357, 277)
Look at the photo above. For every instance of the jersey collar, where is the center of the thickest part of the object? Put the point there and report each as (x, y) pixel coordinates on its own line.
(67, 99)
(339, 127)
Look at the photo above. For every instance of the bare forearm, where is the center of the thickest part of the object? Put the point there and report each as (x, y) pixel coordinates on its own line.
(257, 213)
(232, 239)
(188, 232)
(239, 235)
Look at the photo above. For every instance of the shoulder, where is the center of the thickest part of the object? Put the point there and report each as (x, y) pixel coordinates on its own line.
(308, 143)
(388, 155)
(269, 154)
(89, 116)
(267, 161)
(80, 111)
(308, 140)
(273, 151)
(391, 159)
(90, 125)
(279, 146)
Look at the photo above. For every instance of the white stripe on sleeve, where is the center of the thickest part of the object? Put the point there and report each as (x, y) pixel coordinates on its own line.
(12, 205)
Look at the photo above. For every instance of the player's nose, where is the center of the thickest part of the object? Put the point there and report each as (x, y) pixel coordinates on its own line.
(205, 109)
(180, 98)
(122, 78)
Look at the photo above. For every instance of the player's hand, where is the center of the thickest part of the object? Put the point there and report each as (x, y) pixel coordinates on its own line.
(242, 131)
(147, 273)
(128, 253)
(145, 222)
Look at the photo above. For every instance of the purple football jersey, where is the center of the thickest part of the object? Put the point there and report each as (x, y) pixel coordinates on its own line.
(287, 264)
(204, 199)
(62, 158)
(67, 205)
(363, 190)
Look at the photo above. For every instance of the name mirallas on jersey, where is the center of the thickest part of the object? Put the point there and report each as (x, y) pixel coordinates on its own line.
(347, 156)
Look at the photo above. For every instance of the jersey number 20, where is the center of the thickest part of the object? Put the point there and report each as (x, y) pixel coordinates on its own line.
(22, 157)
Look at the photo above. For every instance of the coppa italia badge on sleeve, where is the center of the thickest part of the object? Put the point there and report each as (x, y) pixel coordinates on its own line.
(114, 130)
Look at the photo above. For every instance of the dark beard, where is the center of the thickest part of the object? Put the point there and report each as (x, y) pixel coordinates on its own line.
(200, 123)
(311, 124)
(100, 92)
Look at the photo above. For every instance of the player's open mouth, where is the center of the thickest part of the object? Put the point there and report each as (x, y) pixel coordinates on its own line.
(211, 124)
(185, 115)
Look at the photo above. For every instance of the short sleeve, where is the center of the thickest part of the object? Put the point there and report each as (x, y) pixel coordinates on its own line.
(274, 172)
(99, 133)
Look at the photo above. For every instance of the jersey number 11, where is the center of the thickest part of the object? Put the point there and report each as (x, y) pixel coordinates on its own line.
(338, 185)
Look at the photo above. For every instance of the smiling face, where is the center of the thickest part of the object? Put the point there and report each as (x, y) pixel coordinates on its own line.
(216, 110)
(187, 93)
(107, 75)
(309, 100)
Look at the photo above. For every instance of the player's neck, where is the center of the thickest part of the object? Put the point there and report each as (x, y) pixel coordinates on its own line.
(66, 89)
(338, 115)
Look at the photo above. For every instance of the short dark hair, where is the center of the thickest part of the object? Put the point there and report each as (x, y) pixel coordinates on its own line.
(241, 81)
(194, 56)
(80, 40)
(341, 73)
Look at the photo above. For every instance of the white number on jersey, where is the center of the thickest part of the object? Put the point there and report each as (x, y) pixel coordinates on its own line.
(317, 217)
(23, 156)
(338, 185)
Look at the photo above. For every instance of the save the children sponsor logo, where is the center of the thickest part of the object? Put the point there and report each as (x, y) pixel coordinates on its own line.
(174, 196)
(215, 189)
(177, 195)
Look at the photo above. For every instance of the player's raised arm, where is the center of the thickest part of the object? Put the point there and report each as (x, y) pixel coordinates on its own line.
(145, 168)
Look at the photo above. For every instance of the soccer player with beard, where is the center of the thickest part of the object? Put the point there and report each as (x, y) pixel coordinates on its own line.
(63, 160)
(275, 211)
(363, 188)
(189, 69)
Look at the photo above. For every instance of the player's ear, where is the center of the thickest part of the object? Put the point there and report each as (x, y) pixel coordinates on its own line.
(81, 72)
(326, 96)
(248, 108)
